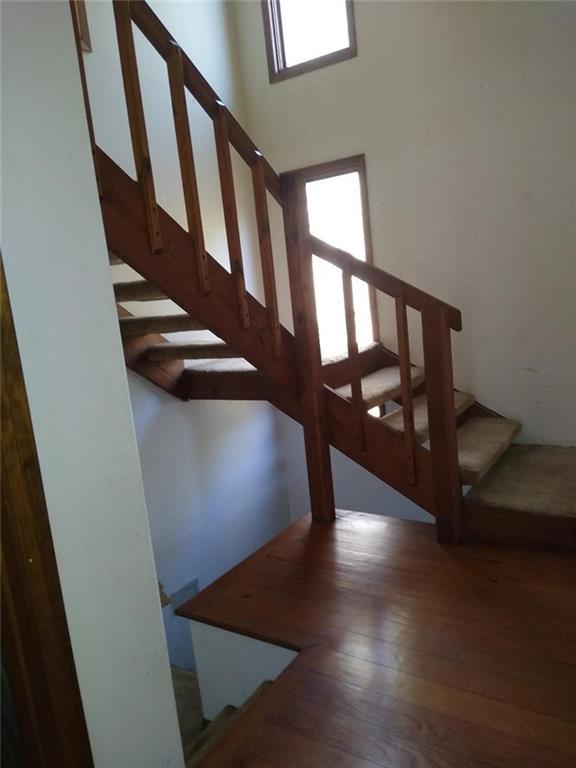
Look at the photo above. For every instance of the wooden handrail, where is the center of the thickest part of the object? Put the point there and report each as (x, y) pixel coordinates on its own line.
(384, 281)
(161, 39)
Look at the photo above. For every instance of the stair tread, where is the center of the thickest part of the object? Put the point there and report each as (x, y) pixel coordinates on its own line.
(395, 420)
(140, 326)
(184, 350)
(382, 385)
(138, 290)
(481, 442)
(534, 479)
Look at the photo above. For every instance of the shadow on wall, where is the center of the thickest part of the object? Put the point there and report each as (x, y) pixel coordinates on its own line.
(215, 489)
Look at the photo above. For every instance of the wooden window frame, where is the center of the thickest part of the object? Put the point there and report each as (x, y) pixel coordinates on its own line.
(273, 35)
(353, 164)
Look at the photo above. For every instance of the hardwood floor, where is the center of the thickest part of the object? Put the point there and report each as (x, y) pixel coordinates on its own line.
(413, 654)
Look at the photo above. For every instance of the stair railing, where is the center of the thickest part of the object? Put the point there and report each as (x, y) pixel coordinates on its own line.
(184, 76)
(289, 191)
(438, 319)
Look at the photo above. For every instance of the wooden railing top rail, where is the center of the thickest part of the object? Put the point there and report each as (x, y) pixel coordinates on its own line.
(384, 281)
(157, 34)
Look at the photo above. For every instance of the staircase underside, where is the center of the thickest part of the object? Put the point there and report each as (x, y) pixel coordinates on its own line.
(173, 273)
(411, 654)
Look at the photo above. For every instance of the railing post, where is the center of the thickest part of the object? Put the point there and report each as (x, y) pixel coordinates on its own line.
(355, 373)
(308, 349)
(406, 386)
(442, 423)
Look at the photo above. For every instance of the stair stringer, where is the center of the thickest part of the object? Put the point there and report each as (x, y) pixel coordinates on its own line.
(173, 272)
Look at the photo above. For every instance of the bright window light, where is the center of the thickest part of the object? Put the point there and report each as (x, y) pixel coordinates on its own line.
(335, 215)
(313, 28)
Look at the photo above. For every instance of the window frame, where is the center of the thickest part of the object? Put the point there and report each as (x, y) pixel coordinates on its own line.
(277, 69)
(353, 164)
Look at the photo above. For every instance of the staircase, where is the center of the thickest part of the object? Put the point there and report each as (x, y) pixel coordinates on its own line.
(430, 442)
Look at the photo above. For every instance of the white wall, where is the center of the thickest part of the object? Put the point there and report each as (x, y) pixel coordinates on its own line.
(214, 485)
(58, 278)
(213, 476)
(466, 113)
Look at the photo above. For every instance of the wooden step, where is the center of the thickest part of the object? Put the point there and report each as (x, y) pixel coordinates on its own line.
(137, 290)
(206, 740)
(187, 351)
(481, 442)
(140, 326)
(395, 420)
(382, 385)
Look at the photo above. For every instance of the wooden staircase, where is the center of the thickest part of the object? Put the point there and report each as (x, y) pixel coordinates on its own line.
(429, 441)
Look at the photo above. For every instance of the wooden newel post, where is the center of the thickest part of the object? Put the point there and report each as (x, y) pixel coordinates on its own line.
(308, 348)
(442, 421)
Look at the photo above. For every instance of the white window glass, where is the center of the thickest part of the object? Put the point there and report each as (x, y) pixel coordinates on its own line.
(335, 215)
(313, 28)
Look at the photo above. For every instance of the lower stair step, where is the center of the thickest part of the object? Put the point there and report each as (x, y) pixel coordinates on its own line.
(186, 351)
(528, 498)
(481, 442)
(140, 326)
(381, 386)
(209, 737)
(137, 290)
(395, 420)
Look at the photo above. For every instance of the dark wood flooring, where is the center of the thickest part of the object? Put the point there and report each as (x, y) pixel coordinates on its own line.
(413, 654)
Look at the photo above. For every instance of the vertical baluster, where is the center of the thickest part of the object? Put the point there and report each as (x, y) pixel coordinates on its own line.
(355, 372)
(80, 55)
(442, 421)
(406, 386)
(312, 398)
(230, 211)
(186, 158)
(136, 120)
(266, 256)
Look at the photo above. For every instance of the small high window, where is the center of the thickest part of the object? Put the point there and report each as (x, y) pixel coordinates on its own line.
(302, 35)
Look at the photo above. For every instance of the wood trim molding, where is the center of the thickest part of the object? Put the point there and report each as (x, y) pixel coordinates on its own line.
(274, 41)
(36, 651)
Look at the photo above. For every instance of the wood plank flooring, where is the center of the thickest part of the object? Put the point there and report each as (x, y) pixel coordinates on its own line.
(413, 654)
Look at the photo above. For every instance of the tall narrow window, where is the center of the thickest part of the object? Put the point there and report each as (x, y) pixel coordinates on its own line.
(302, 35)
(338, 213)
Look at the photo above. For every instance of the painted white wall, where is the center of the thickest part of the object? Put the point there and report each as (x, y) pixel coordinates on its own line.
(214, 485)
(466, 113)
(58, 278)
(231, 667)
(213, 475)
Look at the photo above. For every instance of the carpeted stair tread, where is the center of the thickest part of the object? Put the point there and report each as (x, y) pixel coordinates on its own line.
(481, 442)
(140, 326)
(395, 420)
(137, 290)
(382, 385)
(202, 350)
(535, 479)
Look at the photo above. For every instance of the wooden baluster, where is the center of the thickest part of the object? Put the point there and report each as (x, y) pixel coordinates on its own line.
(406, 386)
(186, 158)
(230, 211)
(135, 108)
(266, 256)
(355, 372)
(312, 401)
(84, 84)
(442, 422)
